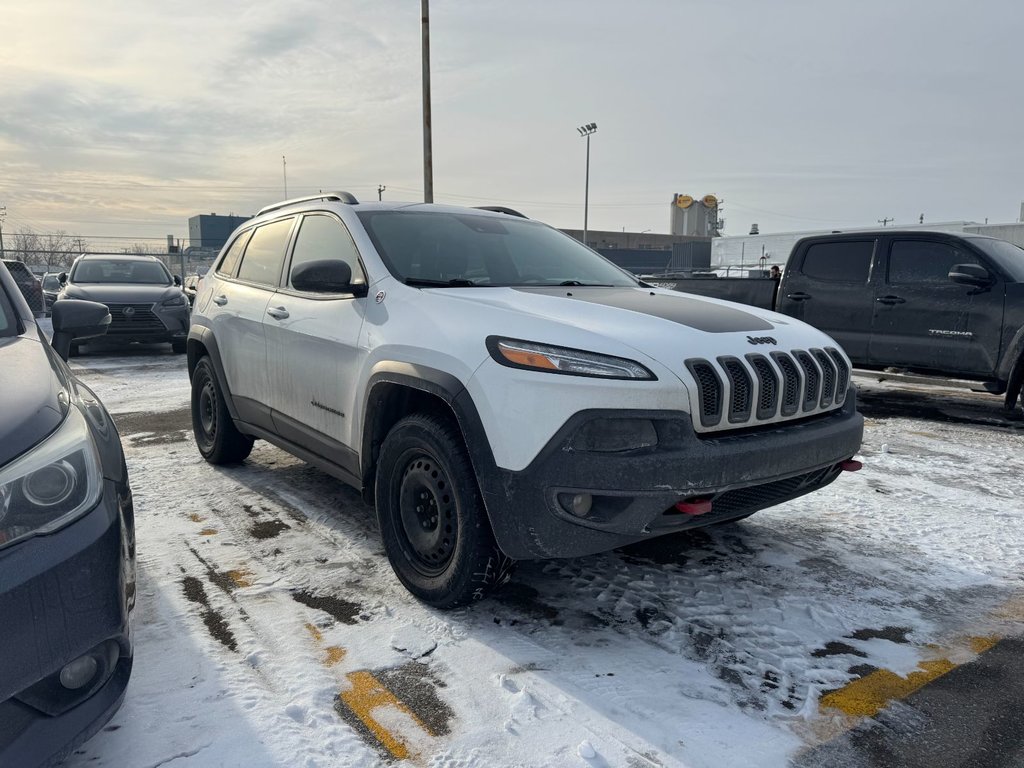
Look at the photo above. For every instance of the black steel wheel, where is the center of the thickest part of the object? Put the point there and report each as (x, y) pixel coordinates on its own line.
(217, 437)
(432, 519)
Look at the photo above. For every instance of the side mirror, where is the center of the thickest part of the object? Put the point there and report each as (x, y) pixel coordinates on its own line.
(970, 274)
(75, 319)
(177, 280)
(62, 278)
(326, 276)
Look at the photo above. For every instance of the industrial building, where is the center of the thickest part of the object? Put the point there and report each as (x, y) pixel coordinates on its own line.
(210, 231)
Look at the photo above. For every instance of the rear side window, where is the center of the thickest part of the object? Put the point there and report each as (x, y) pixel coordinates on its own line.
(324, 237)
(264, 256)
(839, 262)
(230, 259)
(920, 261)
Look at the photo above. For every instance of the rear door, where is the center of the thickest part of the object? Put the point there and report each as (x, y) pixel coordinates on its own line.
(924, 320)
(313, 347)
(246, 281)
(829, 288)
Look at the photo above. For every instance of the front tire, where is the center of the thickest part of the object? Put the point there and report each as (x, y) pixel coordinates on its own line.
(217, 437)
(432, 518)
(179, 347)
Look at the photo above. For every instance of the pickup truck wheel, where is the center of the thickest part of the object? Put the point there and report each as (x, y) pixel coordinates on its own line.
(432, 519)
(217, 438)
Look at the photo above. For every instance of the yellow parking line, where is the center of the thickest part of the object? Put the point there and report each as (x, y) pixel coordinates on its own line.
(241, 577)
(368, 694)
(867, 696)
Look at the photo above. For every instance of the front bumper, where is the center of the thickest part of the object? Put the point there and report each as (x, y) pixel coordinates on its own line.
(635, 492)
(64, 596)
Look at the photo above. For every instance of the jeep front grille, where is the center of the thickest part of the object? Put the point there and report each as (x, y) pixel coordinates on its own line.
(734, 392)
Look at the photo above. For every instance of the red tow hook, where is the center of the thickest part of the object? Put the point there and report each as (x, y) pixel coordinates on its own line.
(851, 465)
(694, 506)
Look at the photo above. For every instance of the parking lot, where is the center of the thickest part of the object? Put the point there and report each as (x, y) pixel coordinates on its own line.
(271, 630)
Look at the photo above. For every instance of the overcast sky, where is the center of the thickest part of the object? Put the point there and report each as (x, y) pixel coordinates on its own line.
(125, 118)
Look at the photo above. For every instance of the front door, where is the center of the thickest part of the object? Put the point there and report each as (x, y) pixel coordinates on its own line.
(924, 320)
(313, 348)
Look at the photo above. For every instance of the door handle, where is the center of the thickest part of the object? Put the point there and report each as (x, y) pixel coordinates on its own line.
(891, 300)
(278, 313)
(221, 300)
(798, 296)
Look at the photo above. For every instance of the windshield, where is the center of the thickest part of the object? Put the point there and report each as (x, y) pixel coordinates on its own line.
(452, 249)
(1007, 255)
(120, 271)
(51, 283)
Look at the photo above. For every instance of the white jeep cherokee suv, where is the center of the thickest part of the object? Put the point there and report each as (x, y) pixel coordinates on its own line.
(500, 391)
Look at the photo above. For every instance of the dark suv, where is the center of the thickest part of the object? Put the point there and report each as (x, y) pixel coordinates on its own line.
(67, 541)
(28, 284)
(146, 302)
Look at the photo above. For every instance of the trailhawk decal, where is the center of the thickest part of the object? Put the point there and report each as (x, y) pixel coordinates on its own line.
(694, 313)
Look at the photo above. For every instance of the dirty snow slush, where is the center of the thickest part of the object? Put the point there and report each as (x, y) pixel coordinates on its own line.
(272, 632)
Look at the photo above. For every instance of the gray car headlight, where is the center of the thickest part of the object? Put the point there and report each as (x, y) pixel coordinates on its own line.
(573, 362)
(177, 301)
(51, 485)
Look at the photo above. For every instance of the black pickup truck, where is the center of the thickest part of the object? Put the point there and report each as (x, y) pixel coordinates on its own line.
(935, 303)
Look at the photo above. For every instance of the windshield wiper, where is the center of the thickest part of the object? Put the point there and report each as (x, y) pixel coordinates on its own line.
(586, 285)
(457, 282)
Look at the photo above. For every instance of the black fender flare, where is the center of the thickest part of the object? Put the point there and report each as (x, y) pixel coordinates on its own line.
(201, 334)
(445, 387)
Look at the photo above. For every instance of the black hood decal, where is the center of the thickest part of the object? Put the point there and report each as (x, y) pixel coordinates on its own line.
(680, 308)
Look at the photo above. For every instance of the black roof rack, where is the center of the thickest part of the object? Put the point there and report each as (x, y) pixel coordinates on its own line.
(345, 197)
(501, 209)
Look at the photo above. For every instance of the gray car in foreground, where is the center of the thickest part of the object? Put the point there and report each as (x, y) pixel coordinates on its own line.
(146, 302)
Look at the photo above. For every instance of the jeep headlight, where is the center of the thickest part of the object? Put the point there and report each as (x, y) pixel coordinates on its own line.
(52, 484)
(574, 362)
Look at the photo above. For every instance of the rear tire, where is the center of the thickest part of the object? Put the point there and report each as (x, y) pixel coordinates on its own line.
(432, 518)
(217, 437)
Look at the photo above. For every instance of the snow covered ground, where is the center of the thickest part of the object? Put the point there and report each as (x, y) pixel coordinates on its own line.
(271, 631)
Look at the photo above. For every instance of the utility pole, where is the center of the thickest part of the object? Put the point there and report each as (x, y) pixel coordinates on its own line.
(3, 212)
(380, 192)
(284, 170)
(885, 222)
(428, 153)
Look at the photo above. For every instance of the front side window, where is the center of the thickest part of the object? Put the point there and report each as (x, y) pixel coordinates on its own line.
(324, 237)
(921, 261)
(839, 262)
(478, 250)
(264, 256)
(116, 270)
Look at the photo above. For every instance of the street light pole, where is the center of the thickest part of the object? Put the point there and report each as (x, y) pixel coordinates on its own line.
(428, 155)
(585, 130)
